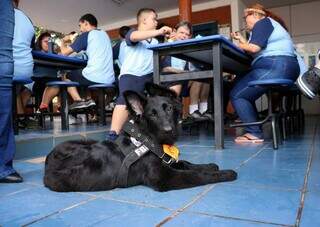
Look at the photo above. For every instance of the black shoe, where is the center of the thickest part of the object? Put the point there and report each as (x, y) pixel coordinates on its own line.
(309, 82)
(208, 116)
(90, 103)
(78, 105)
(12, 178)
(197, 116)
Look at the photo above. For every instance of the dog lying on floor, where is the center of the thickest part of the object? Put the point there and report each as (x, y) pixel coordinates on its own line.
(136, 157)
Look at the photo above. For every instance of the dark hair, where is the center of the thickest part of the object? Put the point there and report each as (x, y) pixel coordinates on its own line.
(40, 38)
(123, 31)
(16, 3)
(92, 20)
(184, 23)
(145, 10)
(269, 14)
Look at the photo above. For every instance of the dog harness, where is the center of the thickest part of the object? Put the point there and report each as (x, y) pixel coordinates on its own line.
(139, 145)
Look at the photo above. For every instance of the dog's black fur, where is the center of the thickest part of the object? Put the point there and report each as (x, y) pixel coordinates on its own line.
(92, 166)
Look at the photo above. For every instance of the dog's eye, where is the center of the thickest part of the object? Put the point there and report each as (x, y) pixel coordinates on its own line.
(169, 109)
(153, 113)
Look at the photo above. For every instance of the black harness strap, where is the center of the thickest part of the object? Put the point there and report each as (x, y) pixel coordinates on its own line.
(140, 145)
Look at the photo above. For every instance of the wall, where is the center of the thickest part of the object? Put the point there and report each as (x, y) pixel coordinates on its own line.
(224, 11)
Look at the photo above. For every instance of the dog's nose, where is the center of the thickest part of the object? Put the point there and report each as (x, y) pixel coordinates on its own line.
(167, 128)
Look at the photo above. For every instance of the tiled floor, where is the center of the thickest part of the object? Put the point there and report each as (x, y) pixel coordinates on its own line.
(274, 188)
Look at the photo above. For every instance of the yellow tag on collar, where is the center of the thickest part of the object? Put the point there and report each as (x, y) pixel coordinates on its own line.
(172, 151)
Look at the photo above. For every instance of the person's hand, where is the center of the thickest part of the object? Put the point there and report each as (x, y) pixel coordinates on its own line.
(165, 30)
(66, 38)
(172, 36)
(238, 36)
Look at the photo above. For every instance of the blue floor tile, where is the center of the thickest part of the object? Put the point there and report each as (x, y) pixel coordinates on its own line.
(141, 194)
(266, 205)
(102, 212)
(193, 220)
(311, 211)
(30, 205)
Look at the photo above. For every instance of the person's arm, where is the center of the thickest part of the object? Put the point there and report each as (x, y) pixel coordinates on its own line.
(260, 35)
(169, 69)
(244, 44)
(78, 45)
(65, 50)
(136, 36)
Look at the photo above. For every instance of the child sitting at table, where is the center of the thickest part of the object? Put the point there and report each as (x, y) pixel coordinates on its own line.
(42, 75)
(97, 45)
(137, 66)
(198, 91)
(23, 41)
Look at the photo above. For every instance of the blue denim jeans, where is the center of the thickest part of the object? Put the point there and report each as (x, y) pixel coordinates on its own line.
(7, 143)
(243, 97)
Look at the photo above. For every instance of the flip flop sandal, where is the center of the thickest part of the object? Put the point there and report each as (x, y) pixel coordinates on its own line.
(247, 139)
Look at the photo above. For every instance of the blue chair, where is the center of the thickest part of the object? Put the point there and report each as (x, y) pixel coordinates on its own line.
(63, 86)
(273, 85)
(15, 83)
(106, 93)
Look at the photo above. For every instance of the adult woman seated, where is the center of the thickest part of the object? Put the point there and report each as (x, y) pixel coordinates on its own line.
(273, 51)
(42, 75)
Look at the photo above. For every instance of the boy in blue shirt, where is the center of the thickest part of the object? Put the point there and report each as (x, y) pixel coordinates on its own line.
(137, 65)
(97, 45)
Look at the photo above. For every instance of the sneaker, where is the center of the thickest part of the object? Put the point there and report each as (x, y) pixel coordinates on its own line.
(78, 105)
(196, 115)
(43, 108)
(90, 103)
(309, 82)
(208, 115)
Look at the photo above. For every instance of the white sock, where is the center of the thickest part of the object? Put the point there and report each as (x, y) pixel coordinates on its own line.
(193, 108)
(203, 107)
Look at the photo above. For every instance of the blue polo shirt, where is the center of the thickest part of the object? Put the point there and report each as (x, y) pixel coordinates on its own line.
(119, 52)
(22, 41)
(174, 63)
(272, 38)
(97, 46)
(137, 60)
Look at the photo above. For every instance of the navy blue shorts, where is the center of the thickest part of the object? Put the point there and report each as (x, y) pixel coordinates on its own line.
(132, 83)
(76, 76)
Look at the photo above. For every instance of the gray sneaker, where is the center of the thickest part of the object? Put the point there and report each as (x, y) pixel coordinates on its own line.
(196, 115)
(208, 115)
(78, 105)
(309, 82)
(90, 103)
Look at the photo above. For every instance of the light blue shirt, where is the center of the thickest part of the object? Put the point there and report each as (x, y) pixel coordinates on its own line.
(97, 47)
(23, 36)
(279, 43)
(138, 59)
(122, 53)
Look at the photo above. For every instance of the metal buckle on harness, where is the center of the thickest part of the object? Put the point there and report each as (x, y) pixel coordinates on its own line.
(165, 161)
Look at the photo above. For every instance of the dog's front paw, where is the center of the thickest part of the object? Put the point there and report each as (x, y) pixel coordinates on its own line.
(213, 166)
(228, 175)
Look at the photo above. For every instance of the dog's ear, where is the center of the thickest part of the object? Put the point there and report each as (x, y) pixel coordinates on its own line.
(135, 102)
(154, 89)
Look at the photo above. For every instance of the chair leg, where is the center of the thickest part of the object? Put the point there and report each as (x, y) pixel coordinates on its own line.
(51, 111)
(274, 132)
(102, 106)
(64, 109)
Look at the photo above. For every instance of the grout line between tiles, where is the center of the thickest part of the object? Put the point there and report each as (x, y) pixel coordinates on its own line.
(306, 178)
(59, 211)
(239, 219)
(203, 193)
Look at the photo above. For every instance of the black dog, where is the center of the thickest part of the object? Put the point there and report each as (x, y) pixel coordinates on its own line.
(136, 158)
